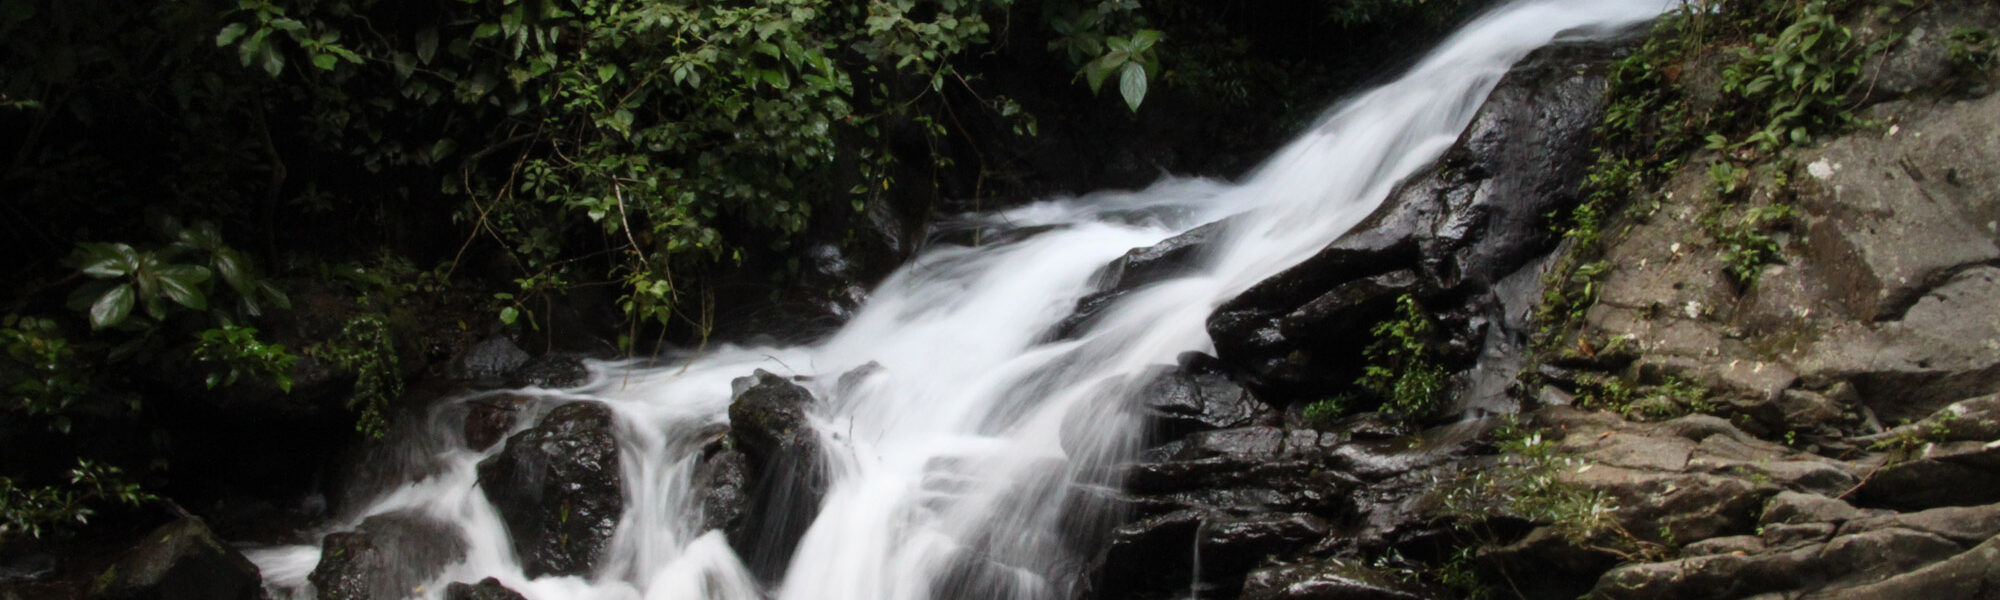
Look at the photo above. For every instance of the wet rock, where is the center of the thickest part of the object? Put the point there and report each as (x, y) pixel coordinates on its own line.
(1967, 525)
(1197, 397)
(181, 560)
(487, 589)
(557, 486)
(388, 556)
(1162, 552)
(551, 371)
(1329, 580)
(1139, 268)
(487, 363)
(488, 419)
(722, 490)
(1465, 225)
(768, 417)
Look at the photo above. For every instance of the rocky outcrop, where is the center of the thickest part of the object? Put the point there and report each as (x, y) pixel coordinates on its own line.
(557, 486)
(388, 556)
(1448, 236)
(181, 560)
(487, 589)
(768, 419)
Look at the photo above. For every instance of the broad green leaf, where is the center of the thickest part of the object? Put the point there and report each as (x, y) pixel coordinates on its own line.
(272, 61)
(230, 266)
(1132, 85)
(108, 260)
(112, 308)
(1144, 40)
(230, 34)
(509, 314)
(182, 284)
(442, 149)
(1096, 72)
(325, 62)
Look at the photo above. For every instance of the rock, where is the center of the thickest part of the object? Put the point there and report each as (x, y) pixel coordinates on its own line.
(489, 418)
(388, 556)
(1448, 236)
(557, 486)
(722, 490)
(487, 363)
(1952, 474)
(1137, 269)
(1197, 397)
(181, 560)
(1965, 525)
(550, 371)
(768, 417)
(1794, 507)
(1333, 579)
(1972, 574)
(487, 589)
(1161, 552)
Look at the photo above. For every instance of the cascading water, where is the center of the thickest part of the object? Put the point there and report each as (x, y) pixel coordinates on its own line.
(967, 465)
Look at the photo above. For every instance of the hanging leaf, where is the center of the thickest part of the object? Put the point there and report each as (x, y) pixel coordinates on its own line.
(1132, 85)
(112, 308)
(182, 284)
(230, 34)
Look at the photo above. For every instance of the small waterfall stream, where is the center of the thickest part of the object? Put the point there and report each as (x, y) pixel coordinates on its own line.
(971, 463)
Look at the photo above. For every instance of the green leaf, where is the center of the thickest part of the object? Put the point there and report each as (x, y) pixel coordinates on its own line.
(509, 314)
(108, 260)
(230, 34)
(442, 149)
(230, 266)
(112, 308)
(272, 61)
(1144, 39)
(427, 44)
(325, 62)
(182, 284)
(1132, 85)
(1097, 71)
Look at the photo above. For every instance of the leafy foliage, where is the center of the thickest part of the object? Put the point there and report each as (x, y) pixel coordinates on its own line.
(367, 348)
(231, 352)
(1402, 368)
(41, 510)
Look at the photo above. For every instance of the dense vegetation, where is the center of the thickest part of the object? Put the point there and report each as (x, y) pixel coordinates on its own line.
(178, 175)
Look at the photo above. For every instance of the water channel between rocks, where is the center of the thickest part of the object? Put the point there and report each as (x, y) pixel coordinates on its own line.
(956, 448)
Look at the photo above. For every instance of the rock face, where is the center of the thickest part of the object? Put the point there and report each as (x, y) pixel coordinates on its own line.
(1448, 236)
(487, 589)
(388, 556)
(557, 486)
(782, 451)
(181, 560)
(1198, 396)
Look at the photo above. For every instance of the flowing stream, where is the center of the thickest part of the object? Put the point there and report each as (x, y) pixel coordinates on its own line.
(972, 463)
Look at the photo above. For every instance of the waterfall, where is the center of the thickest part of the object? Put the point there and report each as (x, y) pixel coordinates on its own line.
(974, 461)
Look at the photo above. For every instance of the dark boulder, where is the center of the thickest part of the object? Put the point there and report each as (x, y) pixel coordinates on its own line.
(722, 490)
(1197, 396)
(550, 371)
(1949, 474)
(487, 363)
(1448, 235)
(487, 589)
(768, 418)
(1168, 551)
(181, 560)
(388, 556)
(1139, 268)
(488, 419)
(557, 486)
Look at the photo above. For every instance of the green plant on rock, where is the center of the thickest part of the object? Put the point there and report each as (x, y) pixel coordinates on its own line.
(1800, 76)
(230, 353)
(1323, 412)
(37, 511)
(367, 348)
(1672, 398)
(1747, 244)
(1402, 368)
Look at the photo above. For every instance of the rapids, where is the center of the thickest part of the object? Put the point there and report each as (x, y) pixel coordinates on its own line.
(974, 463)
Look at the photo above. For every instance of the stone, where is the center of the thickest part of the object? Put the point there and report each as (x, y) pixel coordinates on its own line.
(487, 363)
(1971, 574)
(487, 589)
(550, 371)
(387, 556)
(1953, 474)
(1197, 397)
(722, 490)
(768, 419)
(1965, 525)
(557, 486)
(181, 560)
(1333, 579)
(1794, 507)
(489, 418)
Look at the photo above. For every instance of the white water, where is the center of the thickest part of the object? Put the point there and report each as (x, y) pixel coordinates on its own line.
(952, 463)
